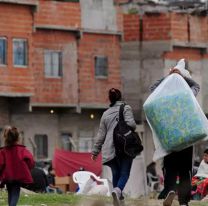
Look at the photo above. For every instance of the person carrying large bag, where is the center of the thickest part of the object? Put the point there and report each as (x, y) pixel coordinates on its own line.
(177, 122)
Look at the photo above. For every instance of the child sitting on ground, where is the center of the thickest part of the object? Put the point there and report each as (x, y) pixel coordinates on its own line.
(200, 179)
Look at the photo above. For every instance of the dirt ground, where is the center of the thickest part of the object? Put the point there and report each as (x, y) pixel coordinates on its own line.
(137, 202)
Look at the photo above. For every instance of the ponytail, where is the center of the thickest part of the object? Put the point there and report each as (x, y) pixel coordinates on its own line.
(11, 136)
(114, 96)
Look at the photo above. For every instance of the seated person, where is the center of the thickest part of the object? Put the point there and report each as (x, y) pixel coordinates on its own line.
(39, 180)
(200, 179)
(51, 188)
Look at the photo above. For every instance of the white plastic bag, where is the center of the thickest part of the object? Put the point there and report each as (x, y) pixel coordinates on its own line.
(175, 117)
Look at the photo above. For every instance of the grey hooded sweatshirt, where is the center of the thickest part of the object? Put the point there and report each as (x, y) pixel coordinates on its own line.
(104, 139)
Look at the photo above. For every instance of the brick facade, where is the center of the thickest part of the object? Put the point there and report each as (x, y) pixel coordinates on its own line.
(166, 26)
(55, 13)
(131, 27)
(55, 90)
(56, 26)
(16, 22)
(42, 100)
(92, 89)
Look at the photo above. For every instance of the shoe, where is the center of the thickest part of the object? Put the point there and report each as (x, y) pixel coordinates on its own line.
(122, 200)
(169, 199)
(116, 194)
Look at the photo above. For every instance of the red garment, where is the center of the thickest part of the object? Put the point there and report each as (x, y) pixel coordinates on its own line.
(202, 186)
(15, 164)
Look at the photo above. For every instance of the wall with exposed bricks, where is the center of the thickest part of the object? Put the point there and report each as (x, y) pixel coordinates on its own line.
(16, 22)
(40, 25)
(62, 89)
(55, 13)
(166, 26)
(93, 90)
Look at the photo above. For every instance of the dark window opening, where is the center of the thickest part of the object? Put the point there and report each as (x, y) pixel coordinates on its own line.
(101, 66)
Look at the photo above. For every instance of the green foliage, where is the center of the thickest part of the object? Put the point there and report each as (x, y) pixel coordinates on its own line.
(133, 11)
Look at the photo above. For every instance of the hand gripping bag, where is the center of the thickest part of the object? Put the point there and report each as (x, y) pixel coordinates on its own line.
(175, 117)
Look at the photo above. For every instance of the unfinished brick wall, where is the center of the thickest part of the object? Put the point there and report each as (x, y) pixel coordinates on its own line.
(131, 27)
(55, 89)
(16, 22)
(148, 27)
(198, 28)
(179, 27)
(166, 26)
(93, 90)
(56, 13)
(156, 26)
(188, 53)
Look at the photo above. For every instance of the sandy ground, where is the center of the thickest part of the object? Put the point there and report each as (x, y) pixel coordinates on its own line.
(139, 202)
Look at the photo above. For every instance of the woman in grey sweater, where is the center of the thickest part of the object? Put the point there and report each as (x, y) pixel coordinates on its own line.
(120, 166)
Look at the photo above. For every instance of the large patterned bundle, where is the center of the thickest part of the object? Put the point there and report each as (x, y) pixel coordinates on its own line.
(175, 120)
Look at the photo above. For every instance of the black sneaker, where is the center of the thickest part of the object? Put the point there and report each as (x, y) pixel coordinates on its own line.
(122, 200)
(169, 199)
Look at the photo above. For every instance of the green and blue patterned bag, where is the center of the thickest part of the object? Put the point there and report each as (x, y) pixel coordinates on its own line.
(174, 115)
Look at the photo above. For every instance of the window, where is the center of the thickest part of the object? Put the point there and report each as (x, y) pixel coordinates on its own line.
(3, 51)
(67, 142)
(101, 66)
(41, 141)
(85, 144)
(85, 141)
(20, 52)
(53, 63)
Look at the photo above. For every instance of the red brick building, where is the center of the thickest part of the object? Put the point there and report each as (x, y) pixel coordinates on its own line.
(56, 68)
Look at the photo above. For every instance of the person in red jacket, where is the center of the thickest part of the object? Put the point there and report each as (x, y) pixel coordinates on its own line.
(15, 165)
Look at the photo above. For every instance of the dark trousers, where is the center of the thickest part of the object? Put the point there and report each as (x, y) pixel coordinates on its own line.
(178, 164)
(13, 193)
(120, 167)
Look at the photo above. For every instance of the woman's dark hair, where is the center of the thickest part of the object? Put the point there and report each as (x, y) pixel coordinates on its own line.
(206, 151)
(11, 137)
(114, 96)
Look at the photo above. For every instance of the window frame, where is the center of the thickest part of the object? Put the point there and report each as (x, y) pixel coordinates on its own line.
(26, 53)
(88, 140)
(107, 73)
(6, 49)
(70, 142)
(45, 154)
(60, 63)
